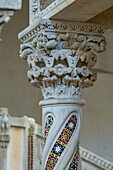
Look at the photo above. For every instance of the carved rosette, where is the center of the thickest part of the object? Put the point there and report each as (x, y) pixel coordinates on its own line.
(61, 56)
(61, 62)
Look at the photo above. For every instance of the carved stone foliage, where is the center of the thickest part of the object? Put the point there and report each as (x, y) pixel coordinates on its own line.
(61, 63)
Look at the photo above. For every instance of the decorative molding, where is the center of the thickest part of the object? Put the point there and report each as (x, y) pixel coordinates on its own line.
(95, 159)
(60, 26)
(36, 12)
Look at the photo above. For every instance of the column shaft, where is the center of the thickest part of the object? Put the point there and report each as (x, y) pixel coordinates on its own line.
(61, 56)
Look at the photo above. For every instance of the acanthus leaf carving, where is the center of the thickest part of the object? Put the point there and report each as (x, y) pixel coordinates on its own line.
(61, 64)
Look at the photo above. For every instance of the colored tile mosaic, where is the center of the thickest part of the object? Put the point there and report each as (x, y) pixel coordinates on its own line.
(49, 122)
(95, 159)
(75, 161)
(61, 142)
(30, 153)
(45, 3)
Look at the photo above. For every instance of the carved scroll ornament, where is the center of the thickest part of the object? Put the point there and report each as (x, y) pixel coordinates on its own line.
(61, 63)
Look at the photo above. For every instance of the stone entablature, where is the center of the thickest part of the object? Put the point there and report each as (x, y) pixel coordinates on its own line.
(60, 26)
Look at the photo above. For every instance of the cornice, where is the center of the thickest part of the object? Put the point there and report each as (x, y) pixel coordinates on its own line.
(60, 26)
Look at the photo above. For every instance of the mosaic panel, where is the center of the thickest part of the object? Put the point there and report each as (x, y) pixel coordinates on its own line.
(49, 122)
(61, 142)
(30, 152)
(75, 161)
(45, 3)
(95, 159)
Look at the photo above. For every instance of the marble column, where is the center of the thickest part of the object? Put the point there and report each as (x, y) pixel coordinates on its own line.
(61, 56)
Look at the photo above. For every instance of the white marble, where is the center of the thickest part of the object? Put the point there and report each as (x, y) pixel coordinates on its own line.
(61, 56)
(61, 110)
(11, 4)
(70, 10)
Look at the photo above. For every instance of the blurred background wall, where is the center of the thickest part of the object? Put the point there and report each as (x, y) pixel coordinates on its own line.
(22, 99)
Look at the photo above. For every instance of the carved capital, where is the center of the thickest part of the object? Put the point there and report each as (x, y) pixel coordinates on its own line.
(61, 57)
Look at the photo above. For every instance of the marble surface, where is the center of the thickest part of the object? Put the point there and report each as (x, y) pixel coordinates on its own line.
(11, 4)
(21, 99)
